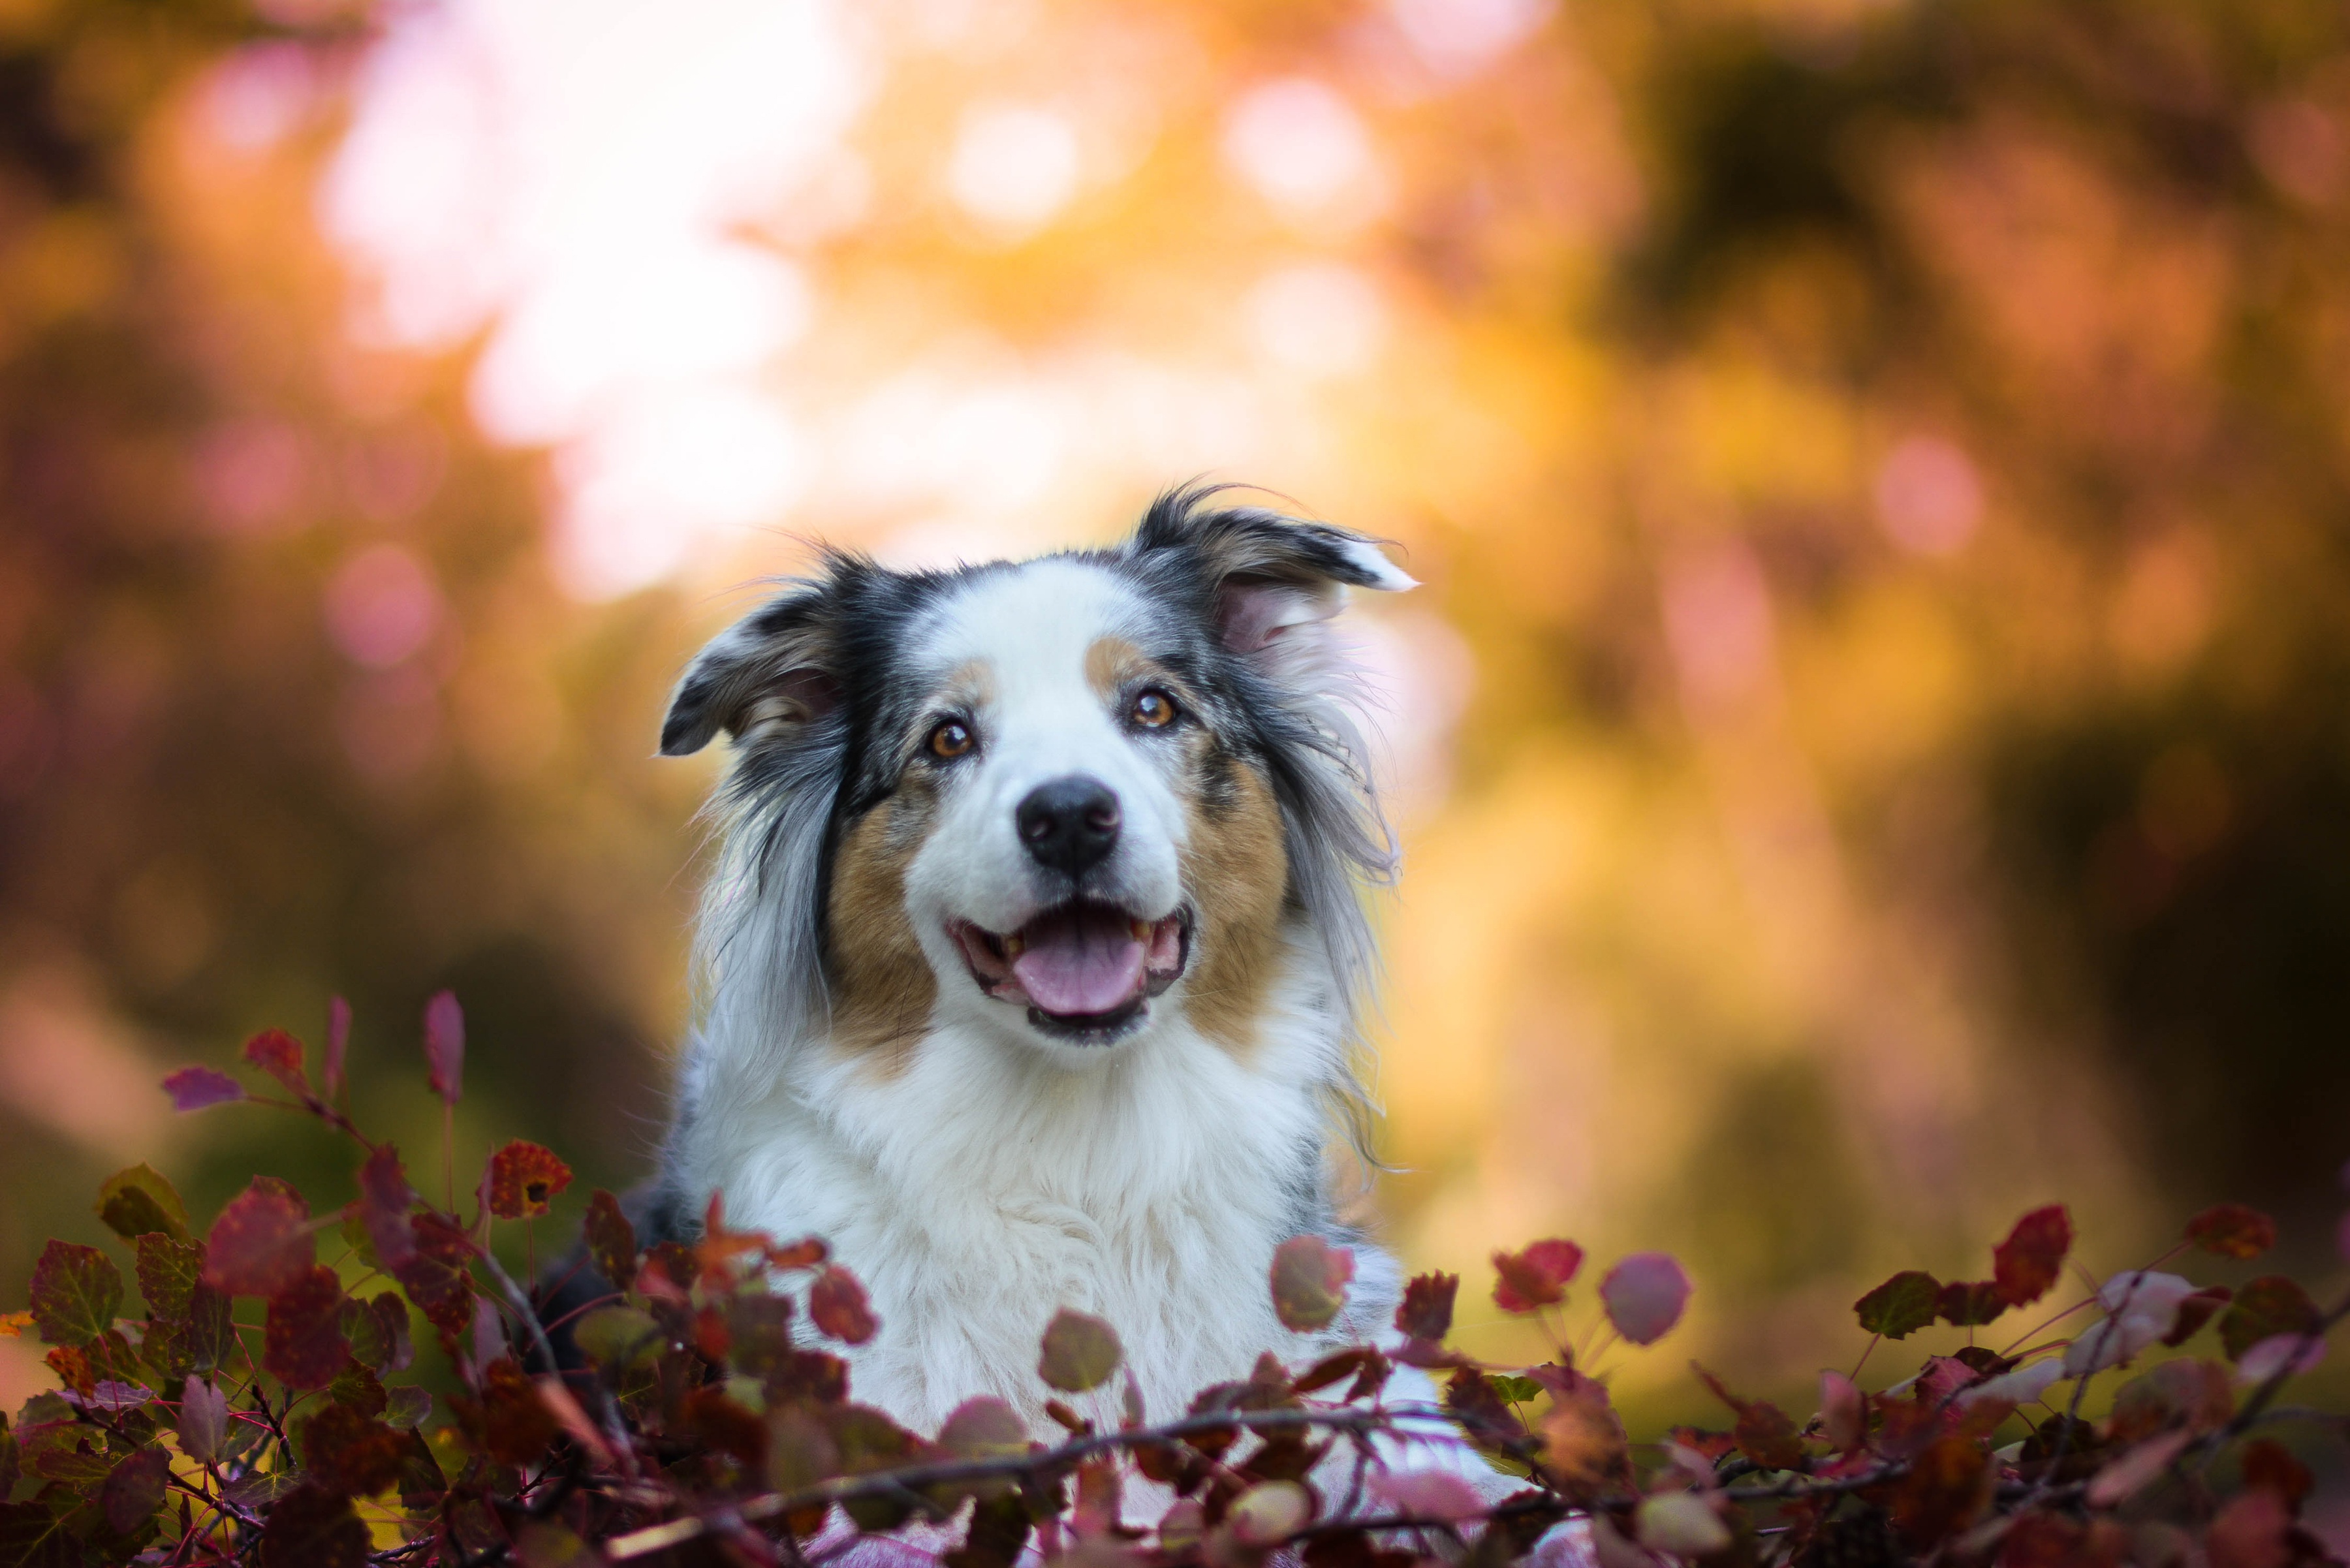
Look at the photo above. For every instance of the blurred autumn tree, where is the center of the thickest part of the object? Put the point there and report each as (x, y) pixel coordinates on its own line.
(1886, 462)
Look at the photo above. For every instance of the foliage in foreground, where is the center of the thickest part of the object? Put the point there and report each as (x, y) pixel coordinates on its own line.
(711, 1426)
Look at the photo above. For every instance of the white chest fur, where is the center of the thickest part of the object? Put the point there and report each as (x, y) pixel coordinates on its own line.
(976, 1187)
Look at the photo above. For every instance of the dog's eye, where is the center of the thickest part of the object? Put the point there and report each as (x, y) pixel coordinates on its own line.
(951, 739)
(1153, 708)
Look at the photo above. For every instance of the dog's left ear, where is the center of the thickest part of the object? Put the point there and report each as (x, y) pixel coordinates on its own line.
(1275, 578)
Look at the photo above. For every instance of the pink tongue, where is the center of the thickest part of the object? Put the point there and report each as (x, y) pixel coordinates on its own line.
(1080, 965)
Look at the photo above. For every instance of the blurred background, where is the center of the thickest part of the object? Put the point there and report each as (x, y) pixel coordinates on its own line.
(1872, 753)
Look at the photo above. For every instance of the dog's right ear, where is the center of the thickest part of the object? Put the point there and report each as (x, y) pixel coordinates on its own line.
(769, 673)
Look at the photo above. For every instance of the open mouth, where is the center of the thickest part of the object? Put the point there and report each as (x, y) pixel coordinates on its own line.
(1085, 971)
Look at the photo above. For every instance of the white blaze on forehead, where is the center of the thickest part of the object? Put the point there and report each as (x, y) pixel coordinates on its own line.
(1029, 630)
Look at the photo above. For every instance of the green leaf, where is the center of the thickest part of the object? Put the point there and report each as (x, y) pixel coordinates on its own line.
(1516, 1390)
(618, 1336)
(138, 1202)
(168, 1271)
(2268, 1306)
(1902, 1305)
(33, 1535)
(1079, 1352)
(76, 1291)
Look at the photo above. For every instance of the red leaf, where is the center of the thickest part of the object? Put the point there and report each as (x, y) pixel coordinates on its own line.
(1645, 1295)
(1902, 1305)
(1764, 1433)
(1538, 1277)
(611, 1240)
(2268, 1463)
(522, 1177)
(808, 1252)
(1426, 1311)
(2251, 1531)
(261, 1243)
(444, 1045)
(2232, 1230)
(2025, 1264)
(1309, 1282)
(76, 1292)
(1947, 1486)
(303, 1335)
(1078, 1351)
(1970, 1305)
(279, 1054)
(837, 1303)
(349, 1451)
(193, 1089)
(435, 1275)
(310, 1527)
(2195, 1311)
(385, 1200)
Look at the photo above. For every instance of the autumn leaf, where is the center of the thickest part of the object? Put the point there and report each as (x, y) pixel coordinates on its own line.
(1947, 1486)
(2029, 1261)
(436, 1274)
(193, 1089)
(279, 1054)
(261, 1243)
(135, 1489)
(303, 1332)
(2232, 1230)
(444, 1045)
(522, 1177)
(611, 1240)
(311, 1527)
(202, 1422)
(984, 1429)
(2195, 1311)
(2264, 1308)
(1078, 1351)
(1309, 1282)
(350, 1452)
(76, 1291)
(1970, 1305)
(1536, 1277)
(838, 1306)
(385, 1200)
(1902, 1305)
(1644, 1295)
(1763, 1432)
(1426, 1309)
(138, 1201)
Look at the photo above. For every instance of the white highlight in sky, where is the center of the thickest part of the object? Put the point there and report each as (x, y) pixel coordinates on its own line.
(576, 176)
(1302, 147)
(1318, 319)
(1459, 37)
(1013, 166)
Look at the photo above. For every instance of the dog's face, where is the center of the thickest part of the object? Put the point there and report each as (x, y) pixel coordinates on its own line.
(1066, 793)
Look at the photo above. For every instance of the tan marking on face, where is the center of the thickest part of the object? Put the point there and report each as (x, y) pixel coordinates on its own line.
(1112, 664)
(1238, 873)
(883, 990)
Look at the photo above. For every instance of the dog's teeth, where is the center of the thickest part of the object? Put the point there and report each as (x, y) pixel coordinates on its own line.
(1141, 930)
(1014, 945)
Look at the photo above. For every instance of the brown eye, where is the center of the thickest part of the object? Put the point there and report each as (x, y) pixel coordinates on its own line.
(1154, 710)
(951, 739)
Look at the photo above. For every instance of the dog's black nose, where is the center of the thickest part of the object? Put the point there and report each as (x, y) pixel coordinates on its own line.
(1069, 824)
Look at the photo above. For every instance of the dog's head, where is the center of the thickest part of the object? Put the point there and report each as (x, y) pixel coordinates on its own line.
(1062, 798)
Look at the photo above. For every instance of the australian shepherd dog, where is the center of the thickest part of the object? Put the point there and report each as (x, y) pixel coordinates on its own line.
(1034, 953)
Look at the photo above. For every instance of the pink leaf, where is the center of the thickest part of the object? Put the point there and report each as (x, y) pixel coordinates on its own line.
(2289, 1352)
(444, 1045)
(1428, 1494)
(339, 1039)
(1644, 1295)
(193, 1089)
(1309, 1282)
(1842, 1420)
(2126, 1476)
(384, 1202)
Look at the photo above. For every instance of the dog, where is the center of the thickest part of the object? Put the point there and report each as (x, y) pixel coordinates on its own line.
(1035, 957)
